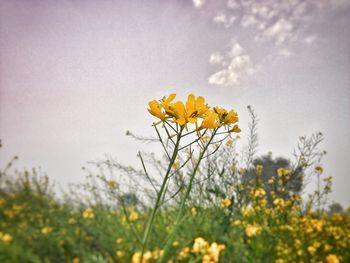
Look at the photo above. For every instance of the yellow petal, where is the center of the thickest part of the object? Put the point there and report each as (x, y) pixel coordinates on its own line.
(235, 129)
(181, 121)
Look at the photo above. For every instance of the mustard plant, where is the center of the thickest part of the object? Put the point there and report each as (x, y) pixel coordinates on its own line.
(186, 124)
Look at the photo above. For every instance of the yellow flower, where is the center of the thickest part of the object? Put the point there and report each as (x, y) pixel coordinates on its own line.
(134, 216)
(282, 172)
(76, 260)
(175, 243)
(259, 169)
(229, 142)
(194, 211)
(136, 258)
(252, 230)
(319, 169)
(195, 108)
(226, 202)
(166, 102)
(112, 184)
(248, 211)
(157, 253)
(235, 129)
(236, 222)
(311, 250)
(184, 253)
(176, 164)
(156, 110)
(119, 253)
(226, 117)
(119, 241)
(46, 230)
(213, 253)
(279, 202)
(331, 258)
(200, 245)
(210, 121)
(258, 193)
(5, 237)
(88, 213)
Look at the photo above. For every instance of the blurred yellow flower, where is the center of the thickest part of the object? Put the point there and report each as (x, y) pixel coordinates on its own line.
(226, 202)
(46, 230)
(175, 243)
(88, 213)
(258, 193)
(252, 230)
(319, 169)
(213, 253)
(311, 250)
(279, 202)
(112, 184)
(136, 258)
(119, 241)
(236, 222)
(229, 142)
(119, 253)
(184, 253)
(133, 216)
(331, 258)
(282, 172)
(194, 211)
(259, 169)
(200, 245)
(6, 238)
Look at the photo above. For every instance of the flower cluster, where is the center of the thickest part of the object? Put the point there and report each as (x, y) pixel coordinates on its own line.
(88, 213)
(191, 111)
(210, 253)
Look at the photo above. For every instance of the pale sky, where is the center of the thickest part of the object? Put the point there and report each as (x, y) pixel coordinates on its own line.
(75, 75)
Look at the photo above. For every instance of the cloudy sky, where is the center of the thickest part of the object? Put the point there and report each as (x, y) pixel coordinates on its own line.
(75, 75)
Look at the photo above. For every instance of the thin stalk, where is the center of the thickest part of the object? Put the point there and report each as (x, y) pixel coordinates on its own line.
(182, 205)
(159, 195)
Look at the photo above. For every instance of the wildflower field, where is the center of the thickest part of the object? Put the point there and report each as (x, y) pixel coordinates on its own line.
(203, 200)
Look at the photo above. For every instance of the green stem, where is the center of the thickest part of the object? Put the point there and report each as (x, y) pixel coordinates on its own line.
(182, 205)
(159, 196)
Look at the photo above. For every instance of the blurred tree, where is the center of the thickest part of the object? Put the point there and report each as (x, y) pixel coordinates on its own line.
(335, 208)
(275, 175)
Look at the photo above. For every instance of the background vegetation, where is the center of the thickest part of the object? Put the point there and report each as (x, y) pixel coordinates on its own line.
(241, 208)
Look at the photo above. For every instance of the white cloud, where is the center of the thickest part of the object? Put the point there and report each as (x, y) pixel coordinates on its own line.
(233, 4)
(221, 18)
(216, 58)
(275, 22)
(279, 31)
(248, 20)
(234, 66)
(198, 3)
(235, 51)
